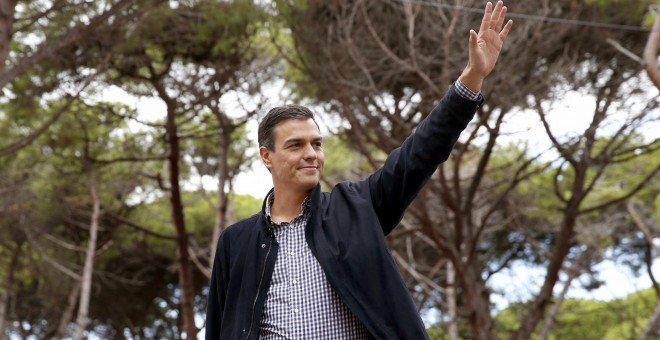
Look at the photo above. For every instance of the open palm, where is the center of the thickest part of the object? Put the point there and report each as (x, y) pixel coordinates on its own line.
(486, 45)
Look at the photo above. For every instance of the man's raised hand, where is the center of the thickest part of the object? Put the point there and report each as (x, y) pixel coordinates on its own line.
(485, 46)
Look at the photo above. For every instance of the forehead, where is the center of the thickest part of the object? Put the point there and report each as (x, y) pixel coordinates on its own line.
(296, 129)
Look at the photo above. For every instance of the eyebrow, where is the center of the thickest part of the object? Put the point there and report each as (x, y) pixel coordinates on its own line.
(296, 140)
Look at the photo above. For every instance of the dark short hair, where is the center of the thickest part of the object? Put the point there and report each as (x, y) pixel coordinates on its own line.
(276, 116)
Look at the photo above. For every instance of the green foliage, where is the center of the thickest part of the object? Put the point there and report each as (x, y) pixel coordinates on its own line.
(206, 33)
(579, 315)
(508, 320)
(204, 150)
(649, 19)
(627, 10)
(285, 40)
(245, 206)
(580, 319)
(341, 162)
(437, 333)
(199, 214)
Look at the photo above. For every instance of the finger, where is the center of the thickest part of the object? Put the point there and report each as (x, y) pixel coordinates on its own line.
(473, 39)
(496, 18)
(485, 22)
(505, 30)
(474, 46)
(500, 19)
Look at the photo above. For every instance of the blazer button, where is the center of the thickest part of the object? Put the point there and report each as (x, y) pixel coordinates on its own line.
(263, 245)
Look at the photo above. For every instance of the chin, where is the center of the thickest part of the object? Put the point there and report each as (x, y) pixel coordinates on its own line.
(309, 185)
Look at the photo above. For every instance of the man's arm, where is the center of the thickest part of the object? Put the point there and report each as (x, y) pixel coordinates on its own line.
(407, 169)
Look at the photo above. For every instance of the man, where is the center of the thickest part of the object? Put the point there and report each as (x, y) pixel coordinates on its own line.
(315, 265)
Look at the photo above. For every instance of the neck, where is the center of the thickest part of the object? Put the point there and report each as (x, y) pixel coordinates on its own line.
(286, 205)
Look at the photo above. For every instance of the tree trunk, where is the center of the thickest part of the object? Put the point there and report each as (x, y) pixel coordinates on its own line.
(4, 301)
(650, 50)
(223, 178)
(7, 8)
(536, 309)
(185, 270)
(652, 329)
(549, 320)
(82, 320)
(452, 328)
(6, 295)
(474, 294)
(68, 312)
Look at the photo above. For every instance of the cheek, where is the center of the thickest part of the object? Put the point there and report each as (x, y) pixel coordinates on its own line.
(290, 164)
(321, 158)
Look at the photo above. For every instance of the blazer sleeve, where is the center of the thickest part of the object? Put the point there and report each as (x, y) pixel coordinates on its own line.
(408, 168)
(218, 289)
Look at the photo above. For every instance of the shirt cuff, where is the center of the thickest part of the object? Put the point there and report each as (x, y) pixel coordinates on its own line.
(465, 92)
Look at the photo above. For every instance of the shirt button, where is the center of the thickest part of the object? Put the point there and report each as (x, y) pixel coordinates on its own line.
(296, 310)
(294, 281)
(263, 245)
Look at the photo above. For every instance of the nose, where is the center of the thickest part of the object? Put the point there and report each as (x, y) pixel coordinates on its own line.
(310, 152)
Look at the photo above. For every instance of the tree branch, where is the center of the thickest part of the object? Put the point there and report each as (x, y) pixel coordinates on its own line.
(141, 228)
(651, 49)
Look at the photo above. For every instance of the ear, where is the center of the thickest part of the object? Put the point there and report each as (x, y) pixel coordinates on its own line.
(266, 156)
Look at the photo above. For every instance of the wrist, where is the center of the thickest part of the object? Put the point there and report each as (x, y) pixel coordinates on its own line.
(471, 79)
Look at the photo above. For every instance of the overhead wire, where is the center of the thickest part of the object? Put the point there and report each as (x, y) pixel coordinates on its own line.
(547, 19)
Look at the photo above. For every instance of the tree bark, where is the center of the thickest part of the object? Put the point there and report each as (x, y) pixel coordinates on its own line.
(651, 49)
(538, 306)
(550, 317)
(68, 312)
(185, 270)
(82, 320)
(7, 9)
(6, 290)
(474, 292)
(452, 327)
(652, 329)
(223, 178)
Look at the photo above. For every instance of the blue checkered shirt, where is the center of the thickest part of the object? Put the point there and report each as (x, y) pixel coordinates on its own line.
(300, 303)
(466, 92)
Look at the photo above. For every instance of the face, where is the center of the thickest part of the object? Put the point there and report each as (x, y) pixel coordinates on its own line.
(297, 161)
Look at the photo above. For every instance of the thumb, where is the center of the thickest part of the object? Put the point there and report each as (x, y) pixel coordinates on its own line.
(473, 39)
